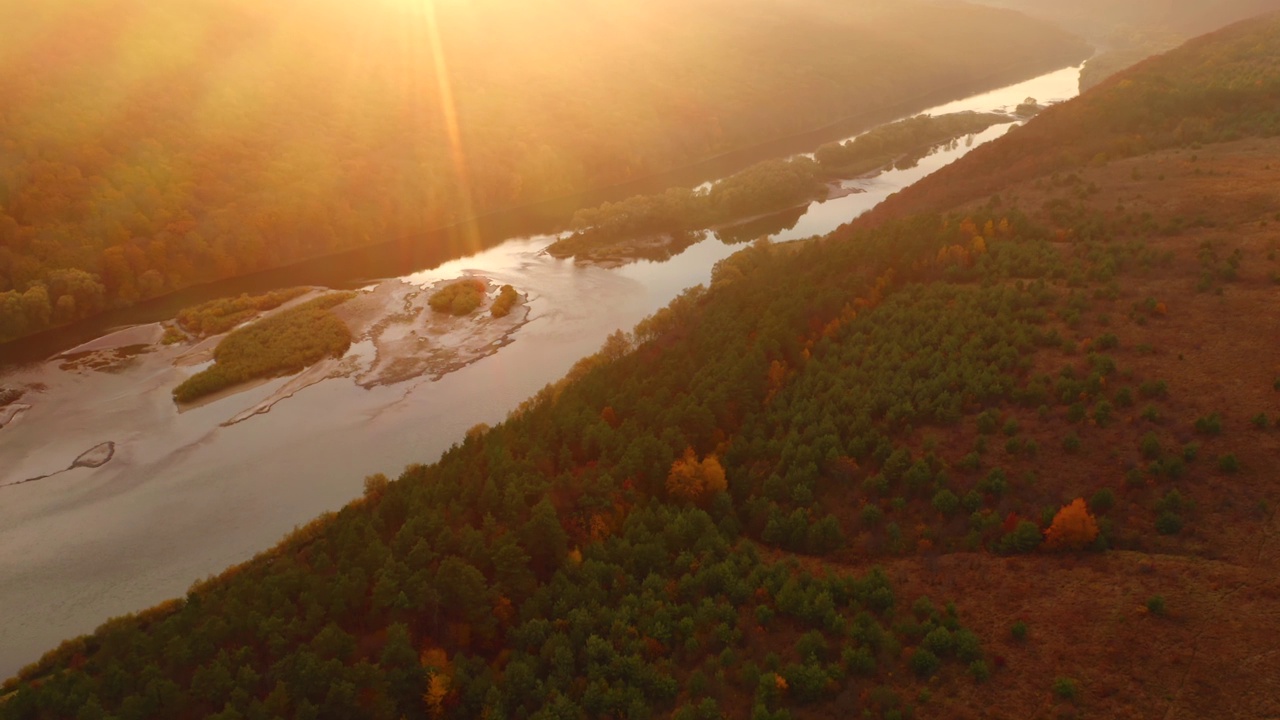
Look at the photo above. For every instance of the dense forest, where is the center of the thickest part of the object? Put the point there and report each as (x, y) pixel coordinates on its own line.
(972, 463)
(151, 147)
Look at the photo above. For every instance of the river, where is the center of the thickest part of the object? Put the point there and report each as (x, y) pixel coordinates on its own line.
(184, 496)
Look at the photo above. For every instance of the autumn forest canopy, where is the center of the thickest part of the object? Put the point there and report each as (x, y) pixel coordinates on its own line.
(147, 147)
(972, 456)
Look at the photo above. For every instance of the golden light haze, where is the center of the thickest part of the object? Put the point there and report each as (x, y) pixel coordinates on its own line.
(153, 146)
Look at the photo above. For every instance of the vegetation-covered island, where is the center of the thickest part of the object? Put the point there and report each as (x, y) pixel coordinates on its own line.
(972, 456)
(279, 344)
(654, 226)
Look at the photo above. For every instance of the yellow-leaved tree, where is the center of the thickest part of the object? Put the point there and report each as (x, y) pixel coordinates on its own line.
(696, 480)
(436, 661)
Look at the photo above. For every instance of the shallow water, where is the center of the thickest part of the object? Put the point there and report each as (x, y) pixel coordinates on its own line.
(185, 497)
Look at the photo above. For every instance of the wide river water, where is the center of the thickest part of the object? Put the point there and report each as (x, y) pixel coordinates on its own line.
(185, 496)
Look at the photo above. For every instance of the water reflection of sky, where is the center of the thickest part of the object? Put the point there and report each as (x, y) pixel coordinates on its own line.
(821, 218)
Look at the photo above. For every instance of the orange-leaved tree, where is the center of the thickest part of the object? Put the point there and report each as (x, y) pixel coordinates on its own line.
(1073, 528)
(694, 480)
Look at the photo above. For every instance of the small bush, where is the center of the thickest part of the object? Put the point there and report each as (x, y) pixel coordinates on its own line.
(966, 644)
(1261, 421)
(173, 335)
(1168, 523)
(924, 663)
(1209, 424)
(1173, 467)
(1011, 428)
(872, 515)
(1103, 500)
(939, 641)
(1076, 412)
(507, 298)
(1124, 397)
(1151, 414)
(979, 670)
(1153, 389)
(860, 662)
(1065, 688)
(1102, 413)
(876, 484)
(1156, 605)
(1228, 463)
(946, 502)
(995, 483)
(1019, 631)
(1150, 445)
(459, 298)
(1172, 502)
(1190, 452)
(1025, 537)
(987, 421)
(1071, 443)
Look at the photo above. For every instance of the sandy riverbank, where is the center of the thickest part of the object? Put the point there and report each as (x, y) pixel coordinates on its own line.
(396, 338)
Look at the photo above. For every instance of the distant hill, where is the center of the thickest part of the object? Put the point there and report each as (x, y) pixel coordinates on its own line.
(149, 147)
(1128, 32)
(1099, 19)
(1219, 87)
(978, 456)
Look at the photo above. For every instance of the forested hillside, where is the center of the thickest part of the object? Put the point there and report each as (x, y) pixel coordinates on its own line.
(1008, 459)
(148, 147)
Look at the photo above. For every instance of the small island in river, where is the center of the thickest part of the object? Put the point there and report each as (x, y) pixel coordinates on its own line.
(390, 333)
(657, 226)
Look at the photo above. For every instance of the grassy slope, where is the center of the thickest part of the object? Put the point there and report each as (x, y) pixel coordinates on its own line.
(1199, 187)
(1121, 248)
(1087, 614)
